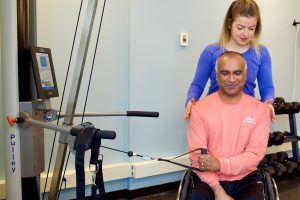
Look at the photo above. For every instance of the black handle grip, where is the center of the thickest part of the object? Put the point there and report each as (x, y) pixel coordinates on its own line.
(98, 133)
(110, 135)
(142, 114)
(203, 151)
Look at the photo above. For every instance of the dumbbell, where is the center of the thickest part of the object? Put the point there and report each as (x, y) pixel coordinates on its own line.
(272, 159)
(295, 107)
(271, 140)
(280, 169)
(279, 105)
(279, 108)
(278, 138)
(287, 108)
(291, 108)
(279, 100)
(283, 158)
(291, 167)
(263, 163)
(267, 168)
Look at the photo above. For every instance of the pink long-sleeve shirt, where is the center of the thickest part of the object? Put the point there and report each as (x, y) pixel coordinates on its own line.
(235, 133)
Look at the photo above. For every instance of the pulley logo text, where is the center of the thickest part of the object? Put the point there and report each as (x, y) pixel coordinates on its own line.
(13, 144)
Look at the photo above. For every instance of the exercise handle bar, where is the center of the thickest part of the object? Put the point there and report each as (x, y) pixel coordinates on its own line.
(107, 114)
(141, 114)
(103, 134)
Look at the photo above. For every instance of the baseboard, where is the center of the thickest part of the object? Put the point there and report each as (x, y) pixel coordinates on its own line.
(2, 189)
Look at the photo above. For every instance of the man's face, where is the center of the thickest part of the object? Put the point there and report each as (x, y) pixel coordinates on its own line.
(231, 77)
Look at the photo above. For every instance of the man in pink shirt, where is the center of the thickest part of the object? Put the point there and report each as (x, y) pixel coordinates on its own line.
(234, 128)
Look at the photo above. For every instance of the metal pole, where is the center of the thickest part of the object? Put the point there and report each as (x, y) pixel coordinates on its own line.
(96, 114)
(73, 95)
(9, 58)
(293, 130)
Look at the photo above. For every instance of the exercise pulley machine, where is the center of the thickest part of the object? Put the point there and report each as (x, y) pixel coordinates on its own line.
(34, 115)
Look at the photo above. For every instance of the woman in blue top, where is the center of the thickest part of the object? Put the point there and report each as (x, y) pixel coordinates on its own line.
(241, 31)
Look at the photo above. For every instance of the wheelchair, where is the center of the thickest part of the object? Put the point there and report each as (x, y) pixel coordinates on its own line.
(189, 177)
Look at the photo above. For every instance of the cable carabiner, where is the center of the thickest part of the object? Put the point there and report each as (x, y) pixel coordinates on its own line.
(146, 157)
(94, 169)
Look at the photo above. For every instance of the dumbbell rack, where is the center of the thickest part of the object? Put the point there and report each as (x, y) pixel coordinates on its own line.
(291, 109)
(279, 165)
(293, 137)
(282, 107)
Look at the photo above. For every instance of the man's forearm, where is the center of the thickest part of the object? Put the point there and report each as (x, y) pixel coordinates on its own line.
(220, 193)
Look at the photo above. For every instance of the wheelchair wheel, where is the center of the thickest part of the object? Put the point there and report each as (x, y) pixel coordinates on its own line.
(271, 191)
(275, 189)
(185, 186)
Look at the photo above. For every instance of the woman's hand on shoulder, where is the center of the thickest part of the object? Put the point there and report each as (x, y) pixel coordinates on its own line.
(269, 103)
(188, 109)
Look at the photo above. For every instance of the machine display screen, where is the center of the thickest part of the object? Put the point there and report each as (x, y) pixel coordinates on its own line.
(44, 75)
(45, 71)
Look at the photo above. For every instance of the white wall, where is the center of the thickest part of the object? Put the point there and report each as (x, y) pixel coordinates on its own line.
(140, 66)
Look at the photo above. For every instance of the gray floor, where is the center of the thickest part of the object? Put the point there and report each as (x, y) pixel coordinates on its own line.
(289, 189)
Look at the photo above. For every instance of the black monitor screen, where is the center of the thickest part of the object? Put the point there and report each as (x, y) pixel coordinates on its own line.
(44, 72)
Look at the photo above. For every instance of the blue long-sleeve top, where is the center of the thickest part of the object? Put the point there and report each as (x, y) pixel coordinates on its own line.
(258, 67)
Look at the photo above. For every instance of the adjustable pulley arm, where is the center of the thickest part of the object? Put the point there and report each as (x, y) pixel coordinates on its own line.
(52, 114)
(107, 114)
(25, 121)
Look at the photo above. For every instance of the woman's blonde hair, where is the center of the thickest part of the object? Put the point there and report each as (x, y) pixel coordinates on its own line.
(241, 8)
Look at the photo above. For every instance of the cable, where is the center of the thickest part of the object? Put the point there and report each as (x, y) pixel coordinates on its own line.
(147, 157)
(185, 153)
(63, 177)
(129, 153)
(179, 164)
(93, 63)
(61, 102)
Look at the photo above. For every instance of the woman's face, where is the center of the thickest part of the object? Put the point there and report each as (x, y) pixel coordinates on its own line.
(242, 30)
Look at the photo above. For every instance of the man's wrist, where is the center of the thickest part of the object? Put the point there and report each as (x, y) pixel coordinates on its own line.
(219, 191)
(217, 188)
